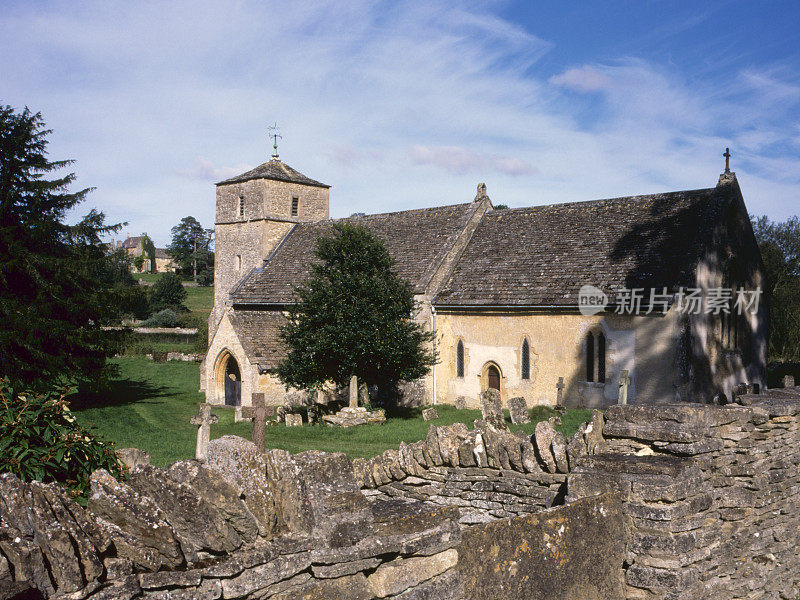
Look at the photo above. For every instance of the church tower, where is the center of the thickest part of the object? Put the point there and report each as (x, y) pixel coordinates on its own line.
(255, 211)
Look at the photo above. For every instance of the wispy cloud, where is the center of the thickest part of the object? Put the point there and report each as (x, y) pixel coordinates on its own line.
(397, 105)
(458, 160)
(205, 170)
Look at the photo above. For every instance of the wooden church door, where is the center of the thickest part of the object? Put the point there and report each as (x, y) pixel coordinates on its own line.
(494, 378)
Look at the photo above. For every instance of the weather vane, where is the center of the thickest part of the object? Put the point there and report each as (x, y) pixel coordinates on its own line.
(273, 129)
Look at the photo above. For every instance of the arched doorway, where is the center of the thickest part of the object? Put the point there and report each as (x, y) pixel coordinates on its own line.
(493, 378)
(229, 379)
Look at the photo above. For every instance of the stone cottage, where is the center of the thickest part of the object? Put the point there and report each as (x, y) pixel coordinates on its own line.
(502, 290)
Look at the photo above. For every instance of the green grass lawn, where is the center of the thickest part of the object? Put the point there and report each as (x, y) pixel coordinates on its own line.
(148, 277)
(149, 406)
(200, 300)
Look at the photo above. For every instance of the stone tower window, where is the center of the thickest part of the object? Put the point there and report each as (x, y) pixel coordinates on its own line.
(238, 262)
(295, 205)
(241, 206)
(589, 356)
(460, 359)
(526, 359)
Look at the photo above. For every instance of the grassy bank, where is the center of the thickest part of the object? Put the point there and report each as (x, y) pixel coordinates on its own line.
(150, 404)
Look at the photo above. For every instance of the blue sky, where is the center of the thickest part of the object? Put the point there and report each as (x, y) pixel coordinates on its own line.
(402, 105)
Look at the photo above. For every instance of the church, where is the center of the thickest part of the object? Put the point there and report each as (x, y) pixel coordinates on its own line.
(559, 303)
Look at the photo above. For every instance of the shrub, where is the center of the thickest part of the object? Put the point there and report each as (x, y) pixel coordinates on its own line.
(163, 318)
(168, 292)
(41, 440)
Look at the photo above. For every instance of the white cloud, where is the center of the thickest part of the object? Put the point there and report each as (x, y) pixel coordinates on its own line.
(582, 79)
(205, 170)
(458, 160)
(396, 105)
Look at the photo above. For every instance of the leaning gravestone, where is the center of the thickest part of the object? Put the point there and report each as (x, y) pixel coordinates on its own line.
(204, 420)
(492, 409)
(788, 381)
(460, 402)
(429, 414)
(519, 410)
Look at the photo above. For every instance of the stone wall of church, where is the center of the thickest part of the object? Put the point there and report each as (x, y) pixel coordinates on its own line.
(645, 346)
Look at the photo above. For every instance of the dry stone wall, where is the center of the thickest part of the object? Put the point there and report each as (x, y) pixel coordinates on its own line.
(711, 496)
(487, 473)
(661, 502)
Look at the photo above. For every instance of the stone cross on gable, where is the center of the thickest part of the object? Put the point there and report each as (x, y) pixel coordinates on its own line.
(560, 394)
(204, 420)
(727, 156)
(257, 412)
(624, 382)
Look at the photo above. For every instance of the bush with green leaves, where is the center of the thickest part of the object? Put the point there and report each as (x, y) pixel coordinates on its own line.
(168, 292)
(41, 440)
(163, 318)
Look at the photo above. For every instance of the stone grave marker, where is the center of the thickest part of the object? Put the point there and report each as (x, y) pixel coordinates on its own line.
(492, 409)
(354, 392)
(560, 392)
(257, 412)
(429, 414)
(788, 381)
(624, 382)
(294, 420)
(204, 420)
(518, 409)
(460, 402)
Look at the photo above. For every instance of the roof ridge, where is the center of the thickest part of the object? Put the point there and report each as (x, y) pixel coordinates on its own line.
(599, 200)
(395, 212)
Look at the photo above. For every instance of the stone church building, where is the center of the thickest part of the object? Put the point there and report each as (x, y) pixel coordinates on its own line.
(500, 289)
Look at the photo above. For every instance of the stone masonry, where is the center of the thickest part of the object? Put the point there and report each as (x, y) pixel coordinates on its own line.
(647, 502)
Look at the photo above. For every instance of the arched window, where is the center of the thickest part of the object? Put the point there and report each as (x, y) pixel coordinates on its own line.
(589, 356)
(460, 359)
(526, 359)
(601, 357)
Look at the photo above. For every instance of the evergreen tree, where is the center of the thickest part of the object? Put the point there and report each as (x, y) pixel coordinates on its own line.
(191, 249)
(54, 292)
(353, 317)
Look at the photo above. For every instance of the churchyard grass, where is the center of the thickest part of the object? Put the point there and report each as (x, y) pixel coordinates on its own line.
(149, 406)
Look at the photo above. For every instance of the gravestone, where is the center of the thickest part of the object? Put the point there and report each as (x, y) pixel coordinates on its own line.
(560, 392)
(518, 409)
(788, 381)
(204, 420)
(492, 409)
(354, 392)
(460, 402)
(294, 420)
(280, 413)
(429, 414)
(257, 412)
(624, 382)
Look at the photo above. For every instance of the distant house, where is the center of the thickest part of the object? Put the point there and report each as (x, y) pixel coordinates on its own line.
(134, 246)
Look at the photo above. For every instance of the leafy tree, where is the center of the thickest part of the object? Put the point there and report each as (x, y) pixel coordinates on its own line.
(168, 292)
(149, 249)
(353, 317)
(54, 292)
(780, 249)
(191, 249)
(138, 262)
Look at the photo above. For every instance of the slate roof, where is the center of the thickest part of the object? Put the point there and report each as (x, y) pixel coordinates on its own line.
(133, 242)
(542, 255)
(277, 170)
(258, 331)
(418, 240)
